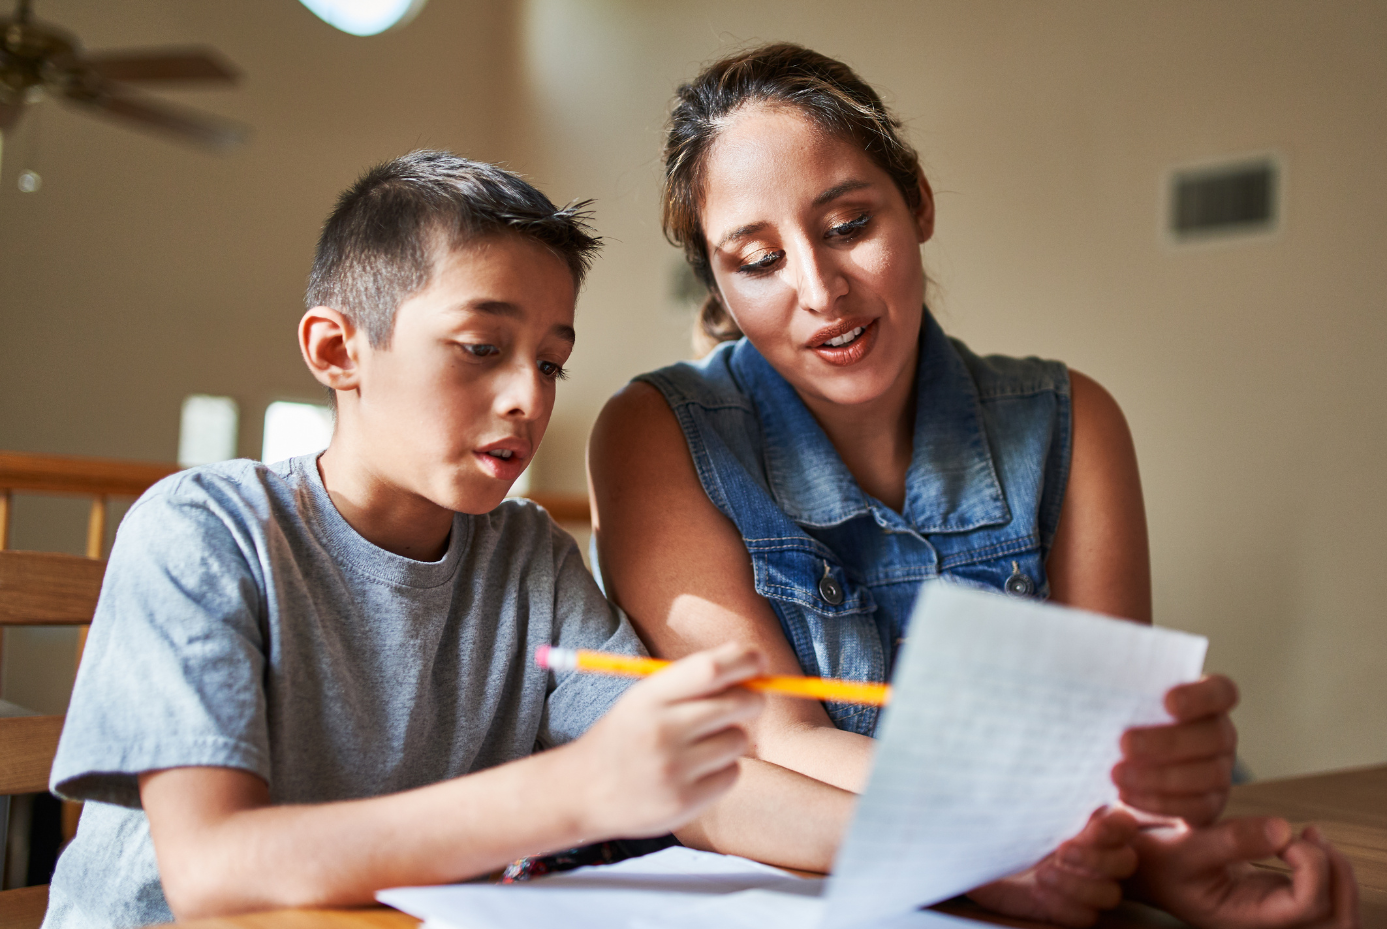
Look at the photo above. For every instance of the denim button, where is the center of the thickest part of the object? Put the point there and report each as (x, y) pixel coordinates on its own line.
(1019, 585)
(830, 590)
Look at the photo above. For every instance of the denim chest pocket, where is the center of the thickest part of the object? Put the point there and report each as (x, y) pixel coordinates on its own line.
(831, 639)
(1015, 567)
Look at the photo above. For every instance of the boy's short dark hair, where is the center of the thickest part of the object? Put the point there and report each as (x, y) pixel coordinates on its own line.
(379, 246)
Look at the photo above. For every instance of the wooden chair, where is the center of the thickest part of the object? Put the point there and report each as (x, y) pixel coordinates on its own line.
(50, 589)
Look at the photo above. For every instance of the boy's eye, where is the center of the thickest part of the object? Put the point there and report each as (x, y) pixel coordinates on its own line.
(480, 350)
(552, 370)
(849, 229)
(764, 263)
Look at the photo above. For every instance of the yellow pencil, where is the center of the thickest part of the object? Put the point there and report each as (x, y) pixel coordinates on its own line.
(810, 688)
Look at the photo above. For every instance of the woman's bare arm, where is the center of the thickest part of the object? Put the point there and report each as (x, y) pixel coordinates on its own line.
(1099, 560)
(680, 570)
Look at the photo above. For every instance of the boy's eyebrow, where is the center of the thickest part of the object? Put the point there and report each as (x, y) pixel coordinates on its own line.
(511, 311)
(828, 196)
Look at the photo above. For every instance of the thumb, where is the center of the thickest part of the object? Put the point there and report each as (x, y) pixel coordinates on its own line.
(1246, 838)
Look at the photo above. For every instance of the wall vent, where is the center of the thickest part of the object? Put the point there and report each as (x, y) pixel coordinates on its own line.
(1223, 200)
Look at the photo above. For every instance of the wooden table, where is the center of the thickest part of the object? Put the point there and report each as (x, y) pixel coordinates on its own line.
(1351, 807)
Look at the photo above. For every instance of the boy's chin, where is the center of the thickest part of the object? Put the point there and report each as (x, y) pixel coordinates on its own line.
(475, 499)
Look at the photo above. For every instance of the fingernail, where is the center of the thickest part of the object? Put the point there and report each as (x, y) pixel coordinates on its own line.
(1279, 832)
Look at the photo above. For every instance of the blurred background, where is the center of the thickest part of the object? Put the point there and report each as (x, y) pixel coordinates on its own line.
(1247, 360)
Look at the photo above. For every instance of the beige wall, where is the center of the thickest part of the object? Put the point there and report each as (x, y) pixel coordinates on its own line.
(1248, 369)
(143, 272)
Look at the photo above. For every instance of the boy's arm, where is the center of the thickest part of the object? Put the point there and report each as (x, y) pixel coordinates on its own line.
(666, 750)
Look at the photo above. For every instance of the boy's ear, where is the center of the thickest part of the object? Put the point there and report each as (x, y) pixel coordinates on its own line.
(330, 344)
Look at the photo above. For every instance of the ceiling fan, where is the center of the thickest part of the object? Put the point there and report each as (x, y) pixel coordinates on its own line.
(37, 60)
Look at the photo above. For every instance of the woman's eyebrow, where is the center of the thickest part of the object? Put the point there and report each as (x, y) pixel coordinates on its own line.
(741, 232)
(837, 190)
(833, 193)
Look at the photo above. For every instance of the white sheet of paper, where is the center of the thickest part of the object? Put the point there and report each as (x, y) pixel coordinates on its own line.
(1003, 727)
(602, 897)
(783, 908)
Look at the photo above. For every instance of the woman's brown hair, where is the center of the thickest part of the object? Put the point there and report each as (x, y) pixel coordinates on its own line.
(824, 89)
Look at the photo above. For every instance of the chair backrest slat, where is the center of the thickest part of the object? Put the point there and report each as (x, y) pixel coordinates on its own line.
(48, 589)
(30, 742)
(62, 474)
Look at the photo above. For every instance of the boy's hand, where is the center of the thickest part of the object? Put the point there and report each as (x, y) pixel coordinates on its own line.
(1184, 768)
(1203, 876)
(669, 747)
(1073, 884)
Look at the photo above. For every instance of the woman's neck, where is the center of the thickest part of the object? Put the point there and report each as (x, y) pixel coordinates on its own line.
(875, 439)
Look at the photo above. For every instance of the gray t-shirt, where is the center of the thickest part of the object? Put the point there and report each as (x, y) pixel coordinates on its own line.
(243, 623)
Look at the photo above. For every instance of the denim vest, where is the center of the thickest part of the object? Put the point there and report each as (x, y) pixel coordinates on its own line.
(839, 567)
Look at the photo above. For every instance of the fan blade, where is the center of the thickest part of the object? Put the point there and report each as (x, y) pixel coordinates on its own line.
(188, 125)
(188, 64)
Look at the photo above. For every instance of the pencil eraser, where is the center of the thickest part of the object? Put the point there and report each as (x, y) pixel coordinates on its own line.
(542, 656)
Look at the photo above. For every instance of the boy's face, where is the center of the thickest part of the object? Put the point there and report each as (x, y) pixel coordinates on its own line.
(455, 408)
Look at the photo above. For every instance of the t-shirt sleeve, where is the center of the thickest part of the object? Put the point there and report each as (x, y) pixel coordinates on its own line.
(583, 618)
(172, 671)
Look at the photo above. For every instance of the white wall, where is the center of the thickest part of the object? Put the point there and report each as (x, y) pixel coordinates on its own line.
(1248, 370)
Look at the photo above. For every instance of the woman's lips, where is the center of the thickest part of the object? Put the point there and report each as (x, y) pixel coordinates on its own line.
(851, 353)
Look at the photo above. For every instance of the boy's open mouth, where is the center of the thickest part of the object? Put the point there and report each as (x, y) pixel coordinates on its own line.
(504, 460)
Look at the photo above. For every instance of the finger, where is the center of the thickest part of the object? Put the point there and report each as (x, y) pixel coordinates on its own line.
(1206, 775)
(1208, 696)
(1247, 838)
(694, 719)
(1097, 862)
(1197, 810)
(1311, 891)
(1100, 894)
(704, 673)
(714, 753)
(1109, 827)
(1345, 885)
(1189, 741)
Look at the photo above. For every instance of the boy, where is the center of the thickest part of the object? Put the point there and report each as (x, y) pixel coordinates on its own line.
(311, 680)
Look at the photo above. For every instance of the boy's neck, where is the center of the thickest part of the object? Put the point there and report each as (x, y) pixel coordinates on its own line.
(381, 512)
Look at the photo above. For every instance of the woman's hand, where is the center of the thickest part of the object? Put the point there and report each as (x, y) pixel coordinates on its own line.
(1204, 877)
(1077, 881)
(669, 747)
(1184, 768)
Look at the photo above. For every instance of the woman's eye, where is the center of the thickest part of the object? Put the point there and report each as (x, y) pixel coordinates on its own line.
(480, 350)
(764, 263)
(552, 370)
(849, 229)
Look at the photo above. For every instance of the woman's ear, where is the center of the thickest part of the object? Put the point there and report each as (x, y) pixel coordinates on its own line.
(330, 347)
(924, 213)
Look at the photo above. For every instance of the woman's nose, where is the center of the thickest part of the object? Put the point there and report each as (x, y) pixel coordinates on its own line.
(820, 280)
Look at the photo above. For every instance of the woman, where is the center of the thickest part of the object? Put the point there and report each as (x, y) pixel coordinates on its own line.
(814, 472)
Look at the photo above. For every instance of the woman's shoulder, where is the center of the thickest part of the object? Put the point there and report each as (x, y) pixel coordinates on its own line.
(710, 382)
(998, 376)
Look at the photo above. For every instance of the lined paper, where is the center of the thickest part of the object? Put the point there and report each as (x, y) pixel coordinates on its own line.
(1002, 730)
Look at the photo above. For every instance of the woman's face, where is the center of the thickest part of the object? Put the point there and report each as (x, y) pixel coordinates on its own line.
(816, 255)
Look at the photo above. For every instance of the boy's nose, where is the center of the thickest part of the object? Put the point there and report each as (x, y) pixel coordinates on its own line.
(522, 396)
